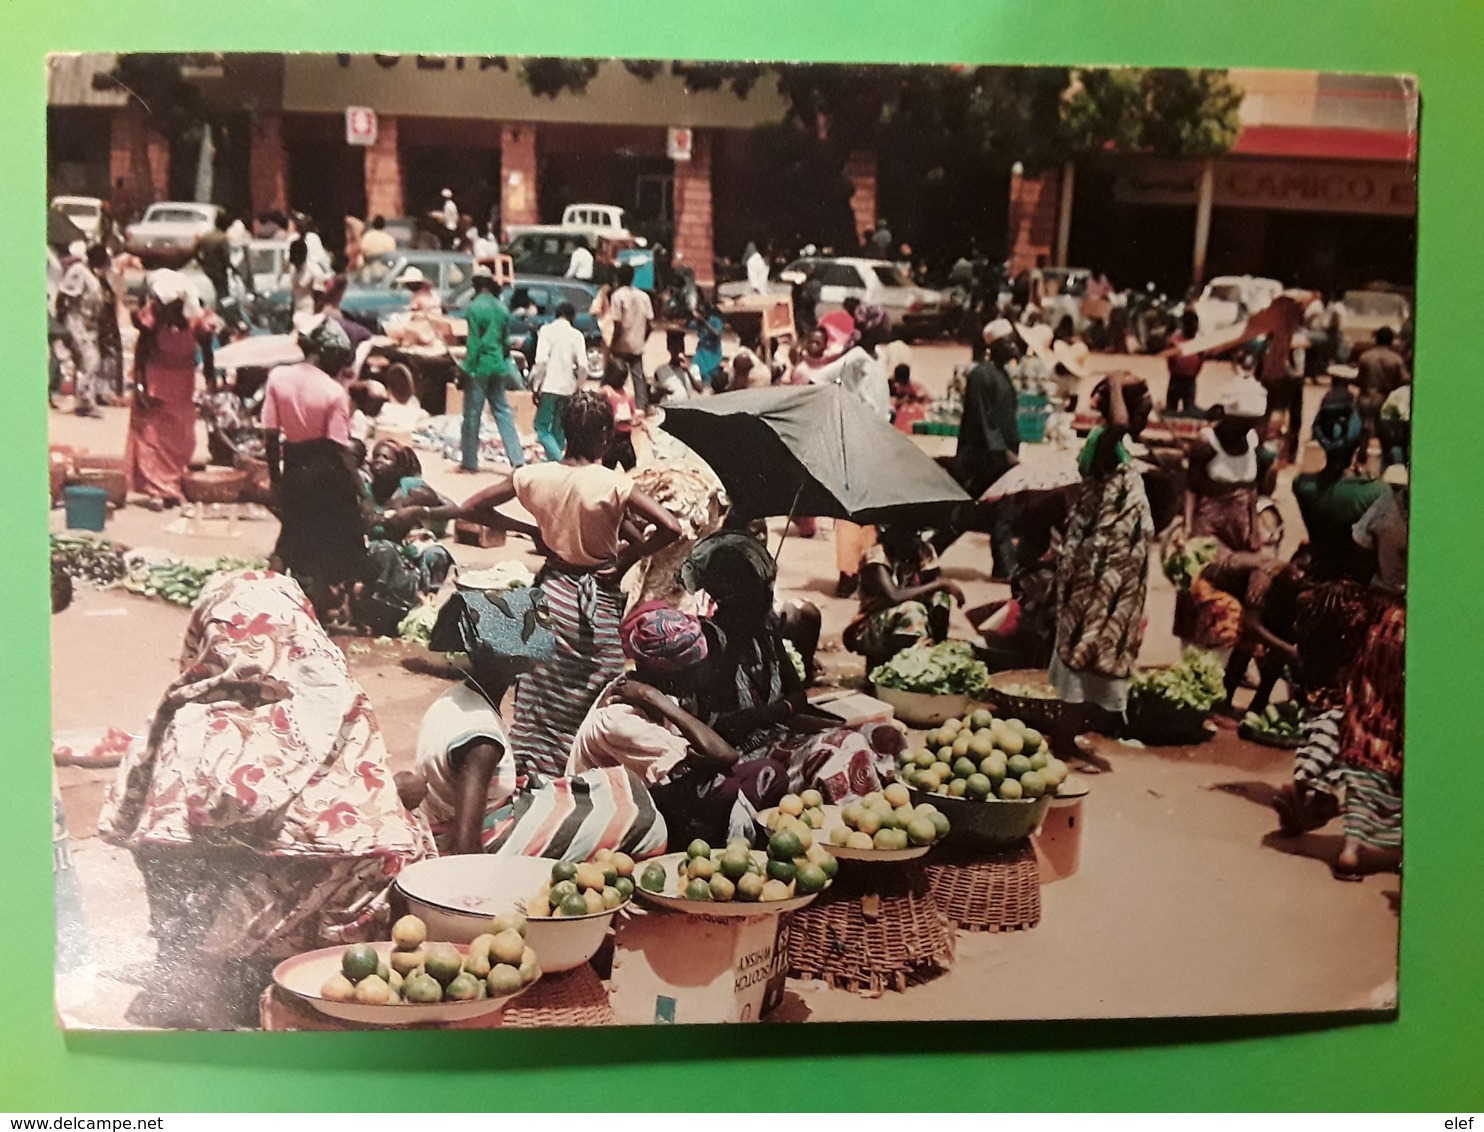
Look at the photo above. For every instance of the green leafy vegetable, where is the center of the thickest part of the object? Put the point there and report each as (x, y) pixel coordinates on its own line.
(417, 626)
(945, 669)
(1185, 561)
(88, 559)
(1197, 682)
(182, 582)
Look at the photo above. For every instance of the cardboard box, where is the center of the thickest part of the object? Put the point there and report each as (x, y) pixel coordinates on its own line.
(670, 967)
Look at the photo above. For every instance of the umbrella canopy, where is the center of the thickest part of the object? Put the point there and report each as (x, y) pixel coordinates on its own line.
(813, 450)
(260, 351)
(1056, 472)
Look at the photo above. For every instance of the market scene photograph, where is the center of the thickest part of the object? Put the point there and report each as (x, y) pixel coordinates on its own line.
(544, 542)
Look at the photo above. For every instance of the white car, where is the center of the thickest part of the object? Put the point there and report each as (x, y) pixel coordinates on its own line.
(1362, 313)
(1229, 300)
(912, 310)
(85, 212)
(599, 219)
(170, 229)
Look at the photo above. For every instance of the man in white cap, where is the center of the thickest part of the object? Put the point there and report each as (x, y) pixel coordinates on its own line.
(988, 442)
(450, 213)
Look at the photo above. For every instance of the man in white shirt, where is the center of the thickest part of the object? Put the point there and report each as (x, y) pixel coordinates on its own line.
(633, 315)
(561, 362)
(581, 264)
(450, 212)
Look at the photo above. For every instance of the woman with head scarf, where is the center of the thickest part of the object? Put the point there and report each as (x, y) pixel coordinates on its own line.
(261, 811)
(407, 563)
(646, 724)
(174, 332)
(323, 509)
(753, 693)
(594, 526)
(1102, 570)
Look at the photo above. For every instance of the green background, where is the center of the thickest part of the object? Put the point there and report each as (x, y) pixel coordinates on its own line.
(1428, 1059)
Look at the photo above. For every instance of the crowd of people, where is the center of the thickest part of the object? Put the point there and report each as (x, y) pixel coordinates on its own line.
(662, 718)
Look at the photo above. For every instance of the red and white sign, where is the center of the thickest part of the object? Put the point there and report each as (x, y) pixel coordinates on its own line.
(678, 142)
(360, 125)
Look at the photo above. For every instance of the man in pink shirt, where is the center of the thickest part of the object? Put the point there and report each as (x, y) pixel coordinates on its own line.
(323, 507)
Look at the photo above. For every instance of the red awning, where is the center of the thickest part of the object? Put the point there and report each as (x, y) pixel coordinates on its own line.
(1333, 142)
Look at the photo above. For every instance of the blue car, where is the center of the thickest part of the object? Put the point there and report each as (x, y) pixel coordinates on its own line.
(533, 301)
(372, 292)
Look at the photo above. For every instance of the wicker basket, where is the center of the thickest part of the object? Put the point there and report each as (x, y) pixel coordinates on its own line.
(571, 998)
(877, 928)
(988, 892)
(112, 481)
(214, 485)
(258, 487)
(1156, 723)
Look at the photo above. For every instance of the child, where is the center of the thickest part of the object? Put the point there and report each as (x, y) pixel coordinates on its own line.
(907, 399)
(615, 380)
(904, 601)
(677, 379)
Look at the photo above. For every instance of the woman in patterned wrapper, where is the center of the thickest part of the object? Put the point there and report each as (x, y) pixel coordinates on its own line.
(1102, 570)
(261, 812)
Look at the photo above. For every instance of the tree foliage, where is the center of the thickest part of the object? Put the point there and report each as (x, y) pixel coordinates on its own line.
(1175, 113)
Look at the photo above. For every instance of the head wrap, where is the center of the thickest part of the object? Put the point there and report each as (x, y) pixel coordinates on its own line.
(166, 287)
(327, 345)
(997, 329)
(1244, 397)
(504, 632)
(1336, 423)
(727, 562)
(663, 639)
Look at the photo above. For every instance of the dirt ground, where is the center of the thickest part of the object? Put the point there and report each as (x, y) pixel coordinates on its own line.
(1186, 902)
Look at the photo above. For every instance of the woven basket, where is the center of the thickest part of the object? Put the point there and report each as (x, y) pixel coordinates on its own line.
(111, 480)
(572, 998)
(1056, 718)
(989, 892)
(258, 487)
(214, 485)
(877, 928)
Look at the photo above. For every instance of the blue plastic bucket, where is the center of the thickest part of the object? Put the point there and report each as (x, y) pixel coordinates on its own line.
(87, 508)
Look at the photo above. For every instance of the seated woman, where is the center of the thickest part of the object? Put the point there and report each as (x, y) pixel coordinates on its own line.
(261, 812)
(407, 563)
(472, 795)
(753, 696)
(904, 600)
(644, 724)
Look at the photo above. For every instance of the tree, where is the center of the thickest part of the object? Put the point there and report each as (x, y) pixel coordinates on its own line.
(1172, 113)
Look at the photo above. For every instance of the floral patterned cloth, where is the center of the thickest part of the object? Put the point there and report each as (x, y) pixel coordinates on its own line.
(1371, 734)
(1102, 574)
(265, 749)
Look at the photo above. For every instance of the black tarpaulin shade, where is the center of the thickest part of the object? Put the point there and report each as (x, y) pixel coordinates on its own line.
(813, 450)
(60, 230)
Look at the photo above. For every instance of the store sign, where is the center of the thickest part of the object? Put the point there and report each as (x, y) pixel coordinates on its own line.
(1356, 187)
(360, 125)
(678, 143)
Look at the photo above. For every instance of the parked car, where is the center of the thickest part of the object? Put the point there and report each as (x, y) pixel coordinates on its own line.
(1362, 313)
(1063, 291)
(533, 301)
(85, 212)
(170, 230)
(910, 310)
(1229, 300)
(372, 292)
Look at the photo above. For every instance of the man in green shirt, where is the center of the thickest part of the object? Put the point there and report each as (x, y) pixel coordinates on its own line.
(485, 367)
(1332, 502)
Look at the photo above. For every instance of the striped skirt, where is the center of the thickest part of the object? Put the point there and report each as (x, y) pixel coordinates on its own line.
(1316, 764)
(570, 819)
(551, 701)
(1373, 807)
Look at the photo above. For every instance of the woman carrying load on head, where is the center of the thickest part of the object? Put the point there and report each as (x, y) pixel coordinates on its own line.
(1102, 571)
(594, 527)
